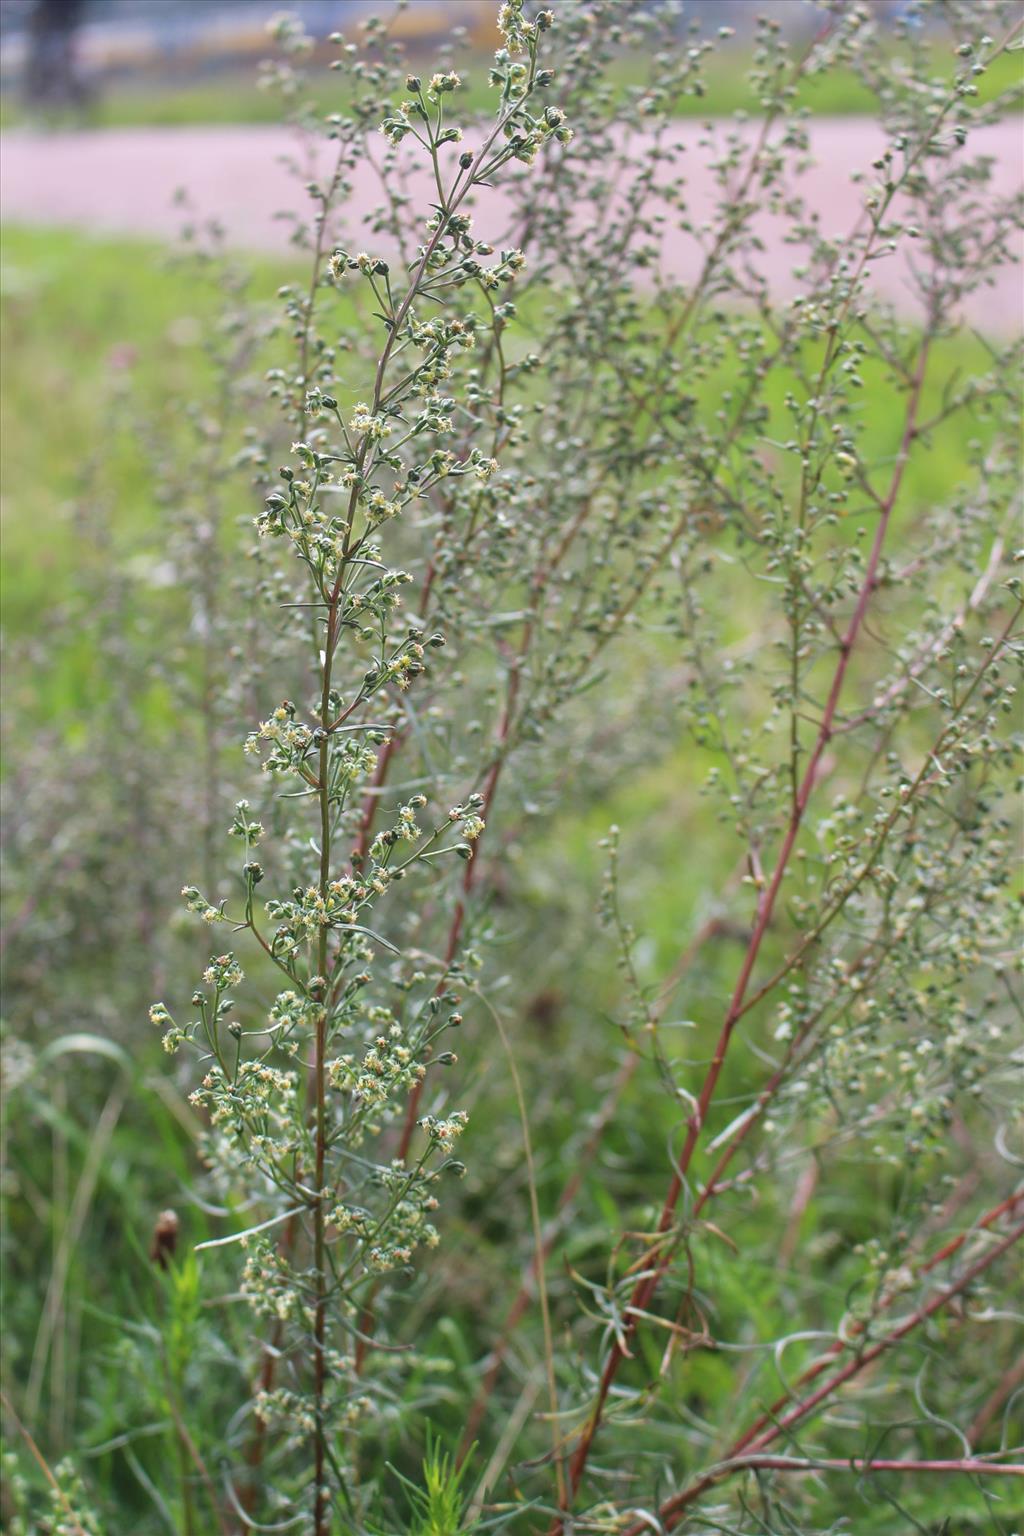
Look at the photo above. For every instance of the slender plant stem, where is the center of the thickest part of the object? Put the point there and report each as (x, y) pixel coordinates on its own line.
(968, 1464)
(582, 1162)
(647, 1285)
(1005, 1207)
(321, 1495)
(75, 1526)
(674, 1509)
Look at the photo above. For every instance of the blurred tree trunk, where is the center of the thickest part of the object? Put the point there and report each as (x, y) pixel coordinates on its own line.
(51, 79)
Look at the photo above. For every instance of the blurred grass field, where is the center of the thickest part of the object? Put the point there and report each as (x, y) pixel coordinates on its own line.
(99, 333)
(96, 332)
(85, 319)
(233, 94)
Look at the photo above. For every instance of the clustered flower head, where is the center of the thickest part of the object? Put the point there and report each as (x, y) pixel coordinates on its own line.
(385, 1070)
(445, 1130)
(288, 741)
(516, 30)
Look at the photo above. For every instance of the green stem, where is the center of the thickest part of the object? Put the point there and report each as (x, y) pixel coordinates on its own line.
(320, 1524)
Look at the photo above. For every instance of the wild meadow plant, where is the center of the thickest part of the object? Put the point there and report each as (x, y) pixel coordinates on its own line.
(544, 513)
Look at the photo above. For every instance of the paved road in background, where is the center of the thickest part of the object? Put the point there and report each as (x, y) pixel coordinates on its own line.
(123, 181)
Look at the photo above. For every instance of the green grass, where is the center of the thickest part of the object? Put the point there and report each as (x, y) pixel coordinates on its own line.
(233, 95)
(86, 321)
(96, 333)
(99, 338)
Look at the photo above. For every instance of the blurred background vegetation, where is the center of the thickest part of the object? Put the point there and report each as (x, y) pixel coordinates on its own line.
(102, 339)
(189, 62)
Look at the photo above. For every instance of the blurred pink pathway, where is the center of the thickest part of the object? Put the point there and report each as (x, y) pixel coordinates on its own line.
(123, 181)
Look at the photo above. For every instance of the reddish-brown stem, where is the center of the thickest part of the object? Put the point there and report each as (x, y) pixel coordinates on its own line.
(1011, 1380)
(75, 1527)
(802, 1197)
(366, 1321)
(855, 1464)
(268, 1368)
(645, 1288)
(468, 881)
(713, 1183)
(801, 1409)
(585, 1157)
(671, 1512)
(524, 1295)
(371, 800)
(813, 1371)
(542, 576)
(321, 1492)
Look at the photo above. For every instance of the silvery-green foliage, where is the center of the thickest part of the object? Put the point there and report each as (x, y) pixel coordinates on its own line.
(536, 515)
(550, 441)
